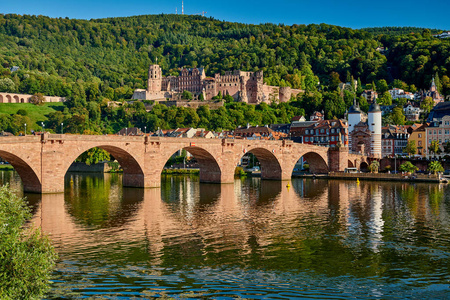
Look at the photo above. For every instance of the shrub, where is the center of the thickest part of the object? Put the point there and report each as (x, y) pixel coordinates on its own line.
(27, 256)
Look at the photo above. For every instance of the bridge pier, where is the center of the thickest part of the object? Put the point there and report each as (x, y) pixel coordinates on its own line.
(337, 159)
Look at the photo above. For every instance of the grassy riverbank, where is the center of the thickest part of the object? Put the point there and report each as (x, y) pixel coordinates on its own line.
(180, 171)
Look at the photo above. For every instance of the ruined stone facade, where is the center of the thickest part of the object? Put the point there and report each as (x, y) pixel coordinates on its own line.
(247, 87)
(24, 98)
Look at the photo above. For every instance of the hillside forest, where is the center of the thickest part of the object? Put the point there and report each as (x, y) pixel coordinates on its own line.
(94, 62)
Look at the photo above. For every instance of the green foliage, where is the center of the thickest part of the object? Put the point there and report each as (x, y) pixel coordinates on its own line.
(427, 104)
(407, 166)
(434, 147)
(27, 256)
(398, 116)
(22, 112)
(435, 166)
(37, 99)
(410, 148)
(187, 95)
(94, 156)
(374, 166)
(7, 85)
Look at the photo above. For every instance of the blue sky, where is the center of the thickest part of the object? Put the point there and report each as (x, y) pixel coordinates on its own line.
(349, 13)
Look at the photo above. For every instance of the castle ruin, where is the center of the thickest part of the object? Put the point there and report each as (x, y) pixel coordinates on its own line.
(243, 86)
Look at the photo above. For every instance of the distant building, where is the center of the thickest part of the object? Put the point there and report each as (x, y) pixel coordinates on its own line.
(284, 128)
(444, 35)
(432, 92)
(365, 137)
(242, 86)
(130, 131)
(411, 112)
(394, 140)
(397, 93)
(316, 116)
(418, 135)
(259, 133)
(438, 130)
(14, 69)
(328, 133)
(370, 96)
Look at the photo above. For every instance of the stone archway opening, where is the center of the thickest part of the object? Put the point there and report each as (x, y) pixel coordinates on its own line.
(30, 180)
(110, 157)
(195, 158)
(350, 164)
(364, 167)
(263, 162)
(8, 98)
(1, 98)
(16, 99)
(313, 163)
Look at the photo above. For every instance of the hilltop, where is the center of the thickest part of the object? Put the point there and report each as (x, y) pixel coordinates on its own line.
(94, 61)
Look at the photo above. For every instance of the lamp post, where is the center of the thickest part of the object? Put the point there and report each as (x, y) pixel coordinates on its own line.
(42, 125)
(25, 128)
(126, 131)
(62, 128)
(145, 130)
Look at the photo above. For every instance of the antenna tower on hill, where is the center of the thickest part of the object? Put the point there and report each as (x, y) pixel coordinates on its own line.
(182, 7)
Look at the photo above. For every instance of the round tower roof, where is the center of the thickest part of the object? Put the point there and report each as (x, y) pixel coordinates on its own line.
(374, 108)
(354, 109)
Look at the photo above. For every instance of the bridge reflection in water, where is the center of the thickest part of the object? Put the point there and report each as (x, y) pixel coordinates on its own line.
(329, 228)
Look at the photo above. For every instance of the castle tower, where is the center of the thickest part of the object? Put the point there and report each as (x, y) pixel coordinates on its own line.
(154, 78)
(374, 122)
(354, 117)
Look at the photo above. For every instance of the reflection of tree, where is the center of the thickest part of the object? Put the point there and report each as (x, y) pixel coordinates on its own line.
(99, 202)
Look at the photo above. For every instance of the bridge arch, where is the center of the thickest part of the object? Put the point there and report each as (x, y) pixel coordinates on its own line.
(8, 98)
(270, 164)
(210, 170)
(350, 164)
(16, 99)
(317, 163)
(133, 174)
(1, 98)
(30, 180)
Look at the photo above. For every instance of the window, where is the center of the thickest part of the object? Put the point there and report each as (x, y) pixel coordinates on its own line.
(420, 135)
(332, 138)
(306, 131)
(321, 130)
(332, 130)
(306, 139)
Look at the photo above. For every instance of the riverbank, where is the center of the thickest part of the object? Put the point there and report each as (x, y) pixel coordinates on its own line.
(428, 178)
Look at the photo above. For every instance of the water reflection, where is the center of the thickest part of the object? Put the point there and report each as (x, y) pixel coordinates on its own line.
(374, 240)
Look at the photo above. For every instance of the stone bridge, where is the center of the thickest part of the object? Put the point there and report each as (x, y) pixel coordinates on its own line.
(42, 161)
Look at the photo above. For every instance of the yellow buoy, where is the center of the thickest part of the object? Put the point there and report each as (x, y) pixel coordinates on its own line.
(357, 180)
(288, 185)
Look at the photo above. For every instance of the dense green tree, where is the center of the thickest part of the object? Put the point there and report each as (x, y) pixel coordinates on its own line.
(434, 147)
(410, 148)
(27, 256)
(398, 116)
(407, 166)
(435, 166)
(427, 105)
(7, 85)
(187, 95)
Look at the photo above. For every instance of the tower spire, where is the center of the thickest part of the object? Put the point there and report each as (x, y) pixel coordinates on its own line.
(182, 7)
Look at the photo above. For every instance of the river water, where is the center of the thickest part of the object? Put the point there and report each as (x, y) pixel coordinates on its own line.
(318, 239)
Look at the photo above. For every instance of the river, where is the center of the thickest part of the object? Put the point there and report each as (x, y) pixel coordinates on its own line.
(317, 239)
